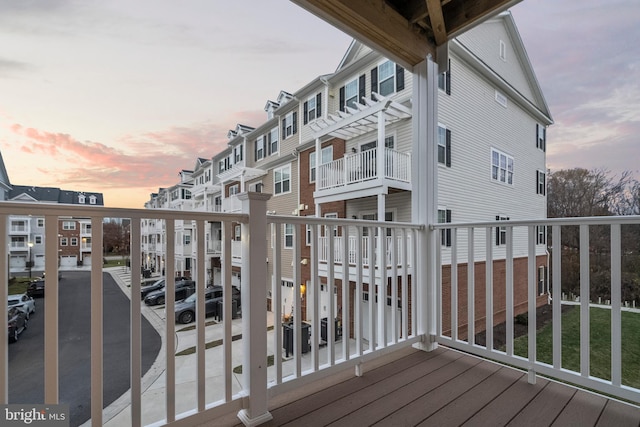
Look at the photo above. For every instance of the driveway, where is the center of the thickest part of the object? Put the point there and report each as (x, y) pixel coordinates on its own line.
(26, 357)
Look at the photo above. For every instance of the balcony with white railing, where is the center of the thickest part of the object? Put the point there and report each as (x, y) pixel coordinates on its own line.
(363, 170)
(437, 304)
(231, 204)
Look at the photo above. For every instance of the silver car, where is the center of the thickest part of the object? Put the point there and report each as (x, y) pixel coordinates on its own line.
(22, 302)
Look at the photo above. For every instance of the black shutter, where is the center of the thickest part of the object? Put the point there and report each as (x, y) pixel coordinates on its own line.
(399, 78)
(284, 128)
(538, 143)
(295, 122)
(448, 79)
(268, 139)
(498, 231)
(544, 139)
(341, 106)
(448, 149)
(318, 105)
(306, 112)
(362, 91)
(374, 80)
(255, 151)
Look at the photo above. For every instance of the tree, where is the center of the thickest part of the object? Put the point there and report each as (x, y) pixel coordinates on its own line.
(116, 237)
(580, 193)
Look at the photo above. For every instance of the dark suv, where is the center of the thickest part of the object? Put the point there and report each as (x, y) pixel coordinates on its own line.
(186, 310)
(184, 288)
(36, 288)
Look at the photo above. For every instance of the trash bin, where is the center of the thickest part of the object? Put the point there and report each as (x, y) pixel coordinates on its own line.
(287, 338)
(337, 331)
(146, 273)
(220, 309)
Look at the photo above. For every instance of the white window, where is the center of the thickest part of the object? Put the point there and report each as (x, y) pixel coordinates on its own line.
(288, 236)
(237, 154)
(234, 189)
(38, 239)
(333, 227)
(444, 79)
(92, 200)
(541, 137)
(501, 167)
(541, 234)
(259, 149)
(351, 93)
(444, 146)
(501, 232)
(63, 241)
(541, 182)
(503, 51)
(386, 78)
(444, 216)
(326, 157)
(312, 108)
(68, 225)
(74, 241)
(289, 127)
(501, 99)
(81, 199)
(282, 180)
(186, 239)
(237, 232)
(542, 279)
(40, 222)
(273, 141)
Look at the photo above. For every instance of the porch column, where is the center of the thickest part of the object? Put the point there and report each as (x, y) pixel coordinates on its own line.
(318, 160)
(380, 148)
(254, 317)
(424, 197)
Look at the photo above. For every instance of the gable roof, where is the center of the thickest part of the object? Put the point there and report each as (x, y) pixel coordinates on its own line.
(4, 176)
(53, 195)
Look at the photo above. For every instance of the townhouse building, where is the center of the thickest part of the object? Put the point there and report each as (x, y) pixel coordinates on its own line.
(26, 233)
(320, 153)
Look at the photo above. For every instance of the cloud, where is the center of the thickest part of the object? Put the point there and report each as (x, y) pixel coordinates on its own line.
(151, 159)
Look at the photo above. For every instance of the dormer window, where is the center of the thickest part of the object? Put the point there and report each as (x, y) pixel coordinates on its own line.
(92, 200)
(81, 199)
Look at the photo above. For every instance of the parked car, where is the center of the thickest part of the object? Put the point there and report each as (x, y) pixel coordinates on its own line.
(153, 286)
(23, 302)
(186, 310)
(36, 288)
(17, 323)
(184, 288)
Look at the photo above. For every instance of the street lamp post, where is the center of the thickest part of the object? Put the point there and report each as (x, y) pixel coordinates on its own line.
(30, 245)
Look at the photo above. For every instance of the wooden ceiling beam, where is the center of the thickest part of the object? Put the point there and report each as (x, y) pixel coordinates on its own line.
(461, 15)
(437, 21)
(376, 24)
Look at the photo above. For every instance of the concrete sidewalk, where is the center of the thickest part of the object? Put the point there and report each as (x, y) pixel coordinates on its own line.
(154, 381)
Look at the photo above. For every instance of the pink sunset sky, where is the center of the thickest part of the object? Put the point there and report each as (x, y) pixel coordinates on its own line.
(117, 97)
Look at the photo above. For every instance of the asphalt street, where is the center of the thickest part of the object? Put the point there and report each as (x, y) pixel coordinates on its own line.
(26, 357)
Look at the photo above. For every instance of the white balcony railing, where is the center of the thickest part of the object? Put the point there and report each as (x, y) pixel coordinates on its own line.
(435, 304)
(231, 204)
(363, 166)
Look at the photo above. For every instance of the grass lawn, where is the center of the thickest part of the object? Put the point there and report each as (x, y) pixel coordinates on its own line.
(18, 285)
(600, 344)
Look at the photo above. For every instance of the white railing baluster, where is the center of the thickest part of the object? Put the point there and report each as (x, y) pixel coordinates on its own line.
(136, 321)
(556, 294)
(226, 261)
(509, 290)
(357, 300)
(200, 314)
(584, 301)
(170, 337)
(297, 300)
(346, 289)
(331, 287)
(454, 283)
(616, 300)
(489, 288)
(51, 328)
(532, 300)
(394, 287)
(4, 352)
(315, 299)
(373, 295)
(471, 289)
(276, 305)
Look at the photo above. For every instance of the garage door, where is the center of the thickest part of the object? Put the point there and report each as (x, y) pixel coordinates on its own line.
(18, 262)
(69, 261)
(86, 260)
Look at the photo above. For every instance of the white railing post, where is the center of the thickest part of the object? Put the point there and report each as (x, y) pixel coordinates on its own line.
(254, 319)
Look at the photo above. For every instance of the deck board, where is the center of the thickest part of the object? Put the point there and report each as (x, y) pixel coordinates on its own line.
(446, 388)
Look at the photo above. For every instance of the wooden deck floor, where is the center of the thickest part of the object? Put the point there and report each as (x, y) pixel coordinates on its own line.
(448, 388)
